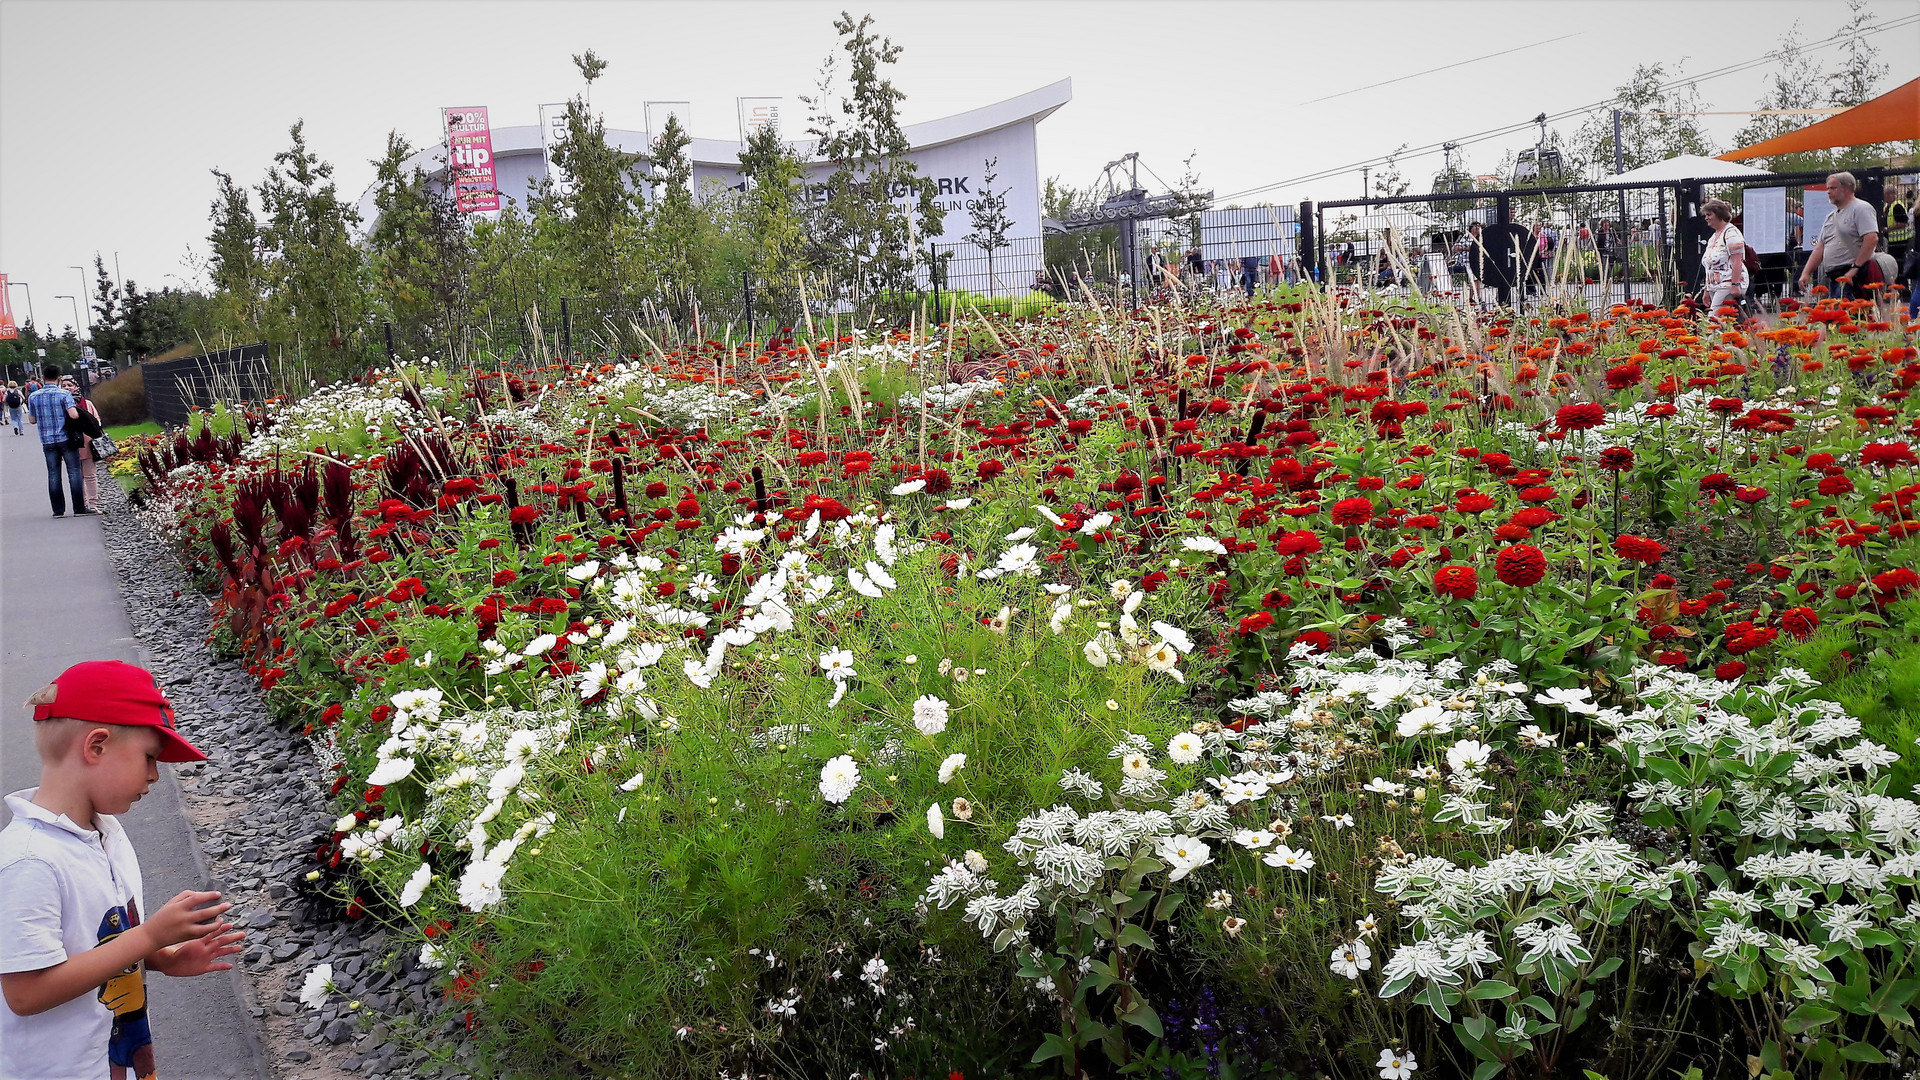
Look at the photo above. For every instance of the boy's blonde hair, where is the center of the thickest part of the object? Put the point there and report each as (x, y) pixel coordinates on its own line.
(54, 738)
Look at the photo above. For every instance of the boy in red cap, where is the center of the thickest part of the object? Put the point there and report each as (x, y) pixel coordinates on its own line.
(75, 941)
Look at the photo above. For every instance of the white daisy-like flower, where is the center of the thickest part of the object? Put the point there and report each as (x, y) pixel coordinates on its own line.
(953, 764)
(838, 664)
(416, 886)
(390, 771)
(838, 779)
(1185, 748)
(930, 715)
(313, 993)
(936, 821)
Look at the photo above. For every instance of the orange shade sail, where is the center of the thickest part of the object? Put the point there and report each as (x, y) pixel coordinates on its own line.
(1892, 117)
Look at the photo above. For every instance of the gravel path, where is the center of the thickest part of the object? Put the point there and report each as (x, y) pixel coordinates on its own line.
(258, 808)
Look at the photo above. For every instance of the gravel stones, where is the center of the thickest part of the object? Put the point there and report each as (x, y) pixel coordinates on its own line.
(255, 807)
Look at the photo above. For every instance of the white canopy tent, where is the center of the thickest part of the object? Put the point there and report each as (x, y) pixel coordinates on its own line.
(1686, 167)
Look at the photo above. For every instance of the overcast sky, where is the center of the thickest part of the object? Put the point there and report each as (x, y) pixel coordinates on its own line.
(111, 114)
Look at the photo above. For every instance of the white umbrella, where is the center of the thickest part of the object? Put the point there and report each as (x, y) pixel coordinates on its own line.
(1685, 167)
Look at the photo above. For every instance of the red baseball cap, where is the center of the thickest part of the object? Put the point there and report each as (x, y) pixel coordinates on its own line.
(120, 694)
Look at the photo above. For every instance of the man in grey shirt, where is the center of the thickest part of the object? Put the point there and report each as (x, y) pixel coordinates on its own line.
(1847, 240)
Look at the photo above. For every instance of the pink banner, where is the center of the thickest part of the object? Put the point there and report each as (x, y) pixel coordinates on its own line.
(470, 158)
(7, 329)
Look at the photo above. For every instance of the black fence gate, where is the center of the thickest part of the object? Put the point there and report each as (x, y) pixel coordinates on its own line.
(1598, 243)
(176, 387)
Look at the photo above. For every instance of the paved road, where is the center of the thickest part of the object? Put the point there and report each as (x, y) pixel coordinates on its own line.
(60, 604)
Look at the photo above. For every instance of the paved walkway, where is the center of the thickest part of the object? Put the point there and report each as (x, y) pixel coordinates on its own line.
(60, 604)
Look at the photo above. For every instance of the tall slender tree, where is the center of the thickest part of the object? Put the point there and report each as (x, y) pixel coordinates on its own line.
(987, 214)
(318, 296)
(876, 205)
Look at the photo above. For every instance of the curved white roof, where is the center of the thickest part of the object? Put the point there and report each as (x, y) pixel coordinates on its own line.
(524, 139)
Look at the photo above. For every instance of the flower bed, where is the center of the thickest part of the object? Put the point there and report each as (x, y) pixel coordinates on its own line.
(1294, 687)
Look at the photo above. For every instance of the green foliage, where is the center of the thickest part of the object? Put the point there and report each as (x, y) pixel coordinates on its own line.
(858, 231)
(316, 294)
(418, 255)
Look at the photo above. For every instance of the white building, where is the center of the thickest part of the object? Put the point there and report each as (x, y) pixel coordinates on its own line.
(949, 152)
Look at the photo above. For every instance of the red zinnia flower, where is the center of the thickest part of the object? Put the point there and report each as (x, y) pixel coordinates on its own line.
(1319, 639)
(1354, 511)
(1459, 582)
(504, 577)
(1580, 416)
(1801, 622)
(1256, 622)
(524, 515)
(1473, 502)
(1616, 459)
(1730, 670)
(1520, 565)
(1639, 548)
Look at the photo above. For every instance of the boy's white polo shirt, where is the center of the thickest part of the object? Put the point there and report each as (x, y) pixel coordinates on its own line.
(58, 881)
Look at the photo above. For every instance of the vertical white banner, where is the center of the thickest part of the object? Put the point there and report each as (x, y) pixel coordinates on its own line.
(657, 113)
(553, 132)
(756, 113)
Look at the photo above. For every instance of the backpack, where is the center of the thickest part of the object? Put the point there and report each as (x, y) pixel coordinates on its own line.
(13, 399)
(1750, 261)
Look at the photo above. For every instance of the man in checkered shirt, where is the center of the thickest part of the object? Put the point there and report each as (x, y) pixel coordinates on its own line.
(49, 408)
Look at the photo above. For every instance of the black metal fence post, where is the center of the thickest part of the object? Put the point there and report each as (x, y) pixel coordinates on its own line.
(1306, 238)
(392, 357)
(566, 329)
(746, 290)
(933, 276)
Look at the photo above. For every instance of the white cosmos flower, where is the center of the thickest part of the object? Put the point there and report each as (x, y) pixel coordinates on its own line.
(313, 993)
(586, 571)
(1396, 1065)
(1352, 958)
(1468, 755)
(878, 574)
(346, 824)
(909, 487)
(480, 885)
(390, 771)
(593, 679)
(1287, 858)
(539, 646)
(1096, 523)
(930, 715)
(1174, 636)
(1019, 534)
(936, 821)
(1185, 748)
(1096, 653)
(1184, 854)
(1425, 720)
(1576, 700)
(697, 674)
(1254, 839)
(1202, 543)
(632, 783)
(953, 764)
(1050, 516)
(838, 664)
(838, 779)
(859, 583)
(416, 885)
(959, 504)
(617, 633)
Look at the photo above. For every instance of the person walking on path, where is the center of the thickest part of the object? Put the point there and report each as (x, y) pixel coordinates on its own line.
(15, 402)
(80, 936)
(1725, 259)
(49, 410)
(90, 428)
(1847, 242)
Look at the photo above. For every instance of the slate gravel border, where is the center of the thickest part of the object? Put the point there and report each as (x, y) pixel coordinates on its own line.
(256, 807)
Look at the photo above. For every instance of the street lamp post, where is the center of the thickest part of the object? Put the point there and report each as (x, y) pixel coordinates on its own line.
(76, 311)
(29, 288)
(83, 292)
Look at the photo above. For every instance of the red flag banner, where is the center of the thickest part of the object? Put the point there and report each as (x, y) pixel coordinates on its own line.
(7, 328)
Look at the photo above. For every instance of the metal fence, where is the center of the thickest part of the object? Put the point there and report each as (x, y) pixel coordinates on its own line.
(1594, 243)
(175, 388)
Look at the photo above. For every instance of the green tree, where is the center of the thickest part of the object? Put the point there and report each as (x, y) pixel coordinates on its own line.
(1654, 124)
(770, 214)
(109, 317)
(234, 261)
(419, 256)
(672, 234)
(859, 232)
(1087, 252)
(1796, 82)
(987, 214)
(318, 299)
(598, 214)
(1861, 71)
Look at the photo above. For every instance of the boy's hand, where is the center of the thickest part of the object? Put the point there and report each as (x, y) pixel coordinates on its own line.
(185, 917)
(202, 954)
